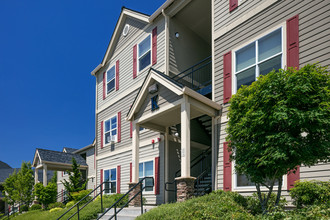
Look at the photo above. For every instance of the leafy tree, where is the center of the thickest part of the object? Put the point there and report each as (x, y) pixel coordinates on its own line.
(46, 195)
(54, 177)
(18, 187)
(278, 123)
(76, 182)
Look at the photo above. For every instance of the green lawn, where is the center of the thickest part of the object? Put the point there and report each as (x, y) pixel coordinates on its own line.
(89, 212)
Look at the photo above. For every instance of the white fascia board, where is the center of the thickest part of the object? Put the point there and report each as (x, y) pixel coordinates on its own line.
(96, 69)
(174, 88)
(201, 98)
(121, 19)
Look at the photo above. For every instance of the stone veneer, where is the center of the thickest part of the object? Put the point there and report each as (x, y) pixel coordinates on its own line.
(185, 188)
(137, 200)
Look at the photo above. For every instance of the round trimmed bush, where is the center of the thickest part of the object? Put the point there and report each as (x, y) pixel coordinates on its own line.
(55, 209)
(70, 204)
(36, 207)
(56, 205)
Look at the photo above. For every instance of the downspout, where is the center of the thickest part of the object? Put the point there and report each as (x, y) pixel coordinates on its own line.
(167, 42)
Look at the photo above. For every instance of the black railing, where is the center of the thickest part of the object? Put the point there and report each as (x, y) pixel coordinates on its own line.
(116, 204)
(199, 159)
(63, 197)
(198, 77)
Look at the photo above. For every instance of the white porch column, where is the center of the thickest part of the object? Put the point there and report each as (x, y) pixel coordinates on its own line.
(185, 137)
(44, 174)
(167, 162)
(135, 153)
(36, 176)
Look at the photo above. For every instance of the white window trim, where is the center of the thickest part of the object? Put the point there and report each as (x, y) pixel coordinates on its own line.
(103, 135)
(110, 179)
(106, 80)
(251, 188)
(138, 57)
(154, 173)
(284, 61)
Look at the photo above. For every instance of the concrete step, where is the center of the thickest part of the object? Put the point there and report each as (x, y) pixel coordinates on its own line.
(128, 213)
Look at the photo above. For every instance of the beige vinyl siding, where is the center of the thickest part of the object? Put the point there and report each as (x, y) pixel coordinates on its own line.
(147, 153)
(222, 16)
(165, 96)
(91, 167)
(125, 57)
(314, 45)
(135, 26)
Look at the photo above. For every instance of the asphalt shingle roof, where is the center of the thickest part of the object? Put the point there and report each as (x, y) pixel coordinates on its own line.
(4, 173)
(3, 165)
(70, 150)
(60, 157)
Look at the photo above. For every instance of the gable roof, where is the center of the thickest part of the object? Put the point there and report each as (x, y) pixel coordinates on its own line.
(125, 12)
(57, 157)
(161, 78)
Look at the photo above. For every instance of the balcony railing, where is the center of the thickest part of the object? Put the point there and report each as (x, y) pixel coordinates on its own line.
(198, 77)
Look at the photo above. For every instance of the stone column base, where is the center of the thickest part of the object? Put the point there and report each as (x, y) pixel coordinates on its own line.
(137, 200)
(185, 188)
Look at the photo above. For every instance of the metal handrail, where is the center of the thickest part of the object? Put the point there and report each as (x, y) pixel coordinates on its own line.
(203, 155)
(192, 67)
(77, 204)
(126, 194)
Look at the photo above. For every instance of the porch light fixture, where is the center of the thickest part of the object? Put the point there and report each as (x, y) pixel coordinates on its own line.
(176, 134)
(177, 35)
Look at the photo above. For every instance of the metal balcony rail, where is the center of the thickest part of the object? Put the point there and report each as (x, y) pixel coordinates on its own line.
(198, 76)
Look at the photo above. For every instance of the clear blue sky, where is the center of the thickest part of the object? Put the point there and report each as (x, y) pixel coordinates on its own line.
(47, 50)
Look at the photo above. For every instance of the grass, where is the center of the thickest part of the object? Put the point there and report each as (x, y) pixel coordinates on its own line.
(89, 212)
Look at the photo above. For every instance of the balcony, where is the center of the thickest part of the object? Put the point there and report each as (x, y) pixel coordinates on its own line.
(197, 77)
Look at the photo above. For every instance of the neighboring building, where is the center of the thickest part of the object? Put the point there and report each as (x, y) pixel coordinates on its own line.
(56, 161)
(5, 171)
(163, 86)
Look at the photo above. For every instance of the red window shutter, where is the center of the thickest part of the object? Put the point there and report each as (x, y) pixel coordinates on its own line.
(118, 179)
(226, 77)
(104, 89)
(101, 176)
(62, 195)
(292, 177)
(156, 175)
(154, 46)
(226, 168)
(233, 4)
(134, 61)
(119, 127)
(131, 130)
(130, 172)
(117, 75)
(292, 48)
(102, 134)
(62, 173)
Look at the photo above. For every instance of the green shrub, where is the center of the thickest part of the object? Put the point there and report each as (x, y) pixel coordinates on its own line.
(216, 205)
(55, 209)
(56, 205)
(70, 204)
(35, 207)
(254, 207)
(306, 193)
(24, 208)
(77, 196)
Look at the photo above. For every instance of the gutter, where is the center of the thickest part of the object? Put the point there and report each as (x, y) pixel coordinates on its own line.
(96, 69)
(160, 9)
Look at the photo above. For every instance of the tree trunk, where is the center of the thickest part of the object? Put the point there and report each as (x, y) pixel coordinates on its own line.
(279, 191)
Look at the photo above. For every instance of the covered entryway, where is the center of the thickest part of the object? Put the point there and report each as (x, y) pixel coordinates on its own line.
(162, 104)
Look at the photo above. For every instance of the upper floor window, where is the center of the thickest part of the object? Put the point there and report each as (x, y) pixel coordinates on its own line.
(146, 169)
(258, 58)
(110, 179)
(144, 54)
(110, 131)
(111, 79)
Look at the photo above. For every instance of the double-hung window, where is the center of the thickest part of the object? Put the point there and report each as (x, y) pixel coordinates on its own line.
(110, 179)
(111, 79)
(144, 55)
(110, 131)
(146, 169)
(258, 58)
